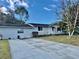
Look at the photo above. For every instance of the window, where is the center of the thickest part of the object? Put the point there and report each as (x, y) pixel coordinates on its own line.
(20, 31)
(58, 29)
(40, 28)
(53, 28)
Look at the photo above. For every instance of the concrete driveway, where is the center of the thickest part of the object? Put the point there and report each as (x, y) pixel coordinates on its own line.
(41, 49)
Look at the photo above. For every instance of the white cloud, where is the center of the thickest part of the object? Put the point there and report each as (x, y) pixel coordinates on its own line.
(47, 9)
(11, 4)
(4, 10)
(55, 0)
(2, 0)
(23, 4)
(18, 3)
(53, 5)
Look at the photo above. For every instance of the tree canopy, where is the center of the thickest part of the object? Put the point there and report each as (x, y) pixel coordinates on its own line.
(7, 14)
(70, 15)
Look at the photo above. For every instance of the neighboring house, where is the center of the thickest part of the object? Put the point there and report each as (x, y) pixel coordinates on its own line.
(42, 29)
(46, 29)
(10, 31)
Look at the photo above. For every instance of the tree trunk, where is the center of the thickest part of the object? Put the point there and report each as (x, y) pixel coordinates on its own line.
(75, 23)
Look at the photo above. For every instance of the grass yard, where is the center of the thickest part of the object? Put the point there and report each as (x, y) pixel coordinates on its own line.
(4, 50)
(63, 39)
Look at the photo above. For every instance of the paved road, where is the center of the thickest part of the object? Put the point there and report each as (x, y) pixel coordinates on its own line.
(41, 49)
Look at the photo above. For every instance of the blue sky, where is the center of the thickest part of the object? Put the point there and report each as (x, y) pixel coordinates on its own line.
(42, 11)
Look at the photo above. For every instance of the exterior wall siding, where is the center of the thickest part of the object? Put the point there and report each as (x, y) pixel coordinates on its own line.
(12, 33)
(47, 31)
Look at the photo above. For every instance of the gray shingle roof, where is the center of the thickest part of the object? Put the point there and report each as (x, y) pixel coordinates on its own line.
(39, 25)
(16, 25)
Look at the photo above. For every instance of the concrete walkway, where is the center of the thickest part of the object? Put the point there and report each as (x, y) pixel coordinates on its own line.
(41, 49)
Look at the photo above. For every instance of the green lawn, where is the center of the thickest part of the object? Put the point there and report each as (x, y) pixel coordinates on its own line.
(4, 50)
(63, 39)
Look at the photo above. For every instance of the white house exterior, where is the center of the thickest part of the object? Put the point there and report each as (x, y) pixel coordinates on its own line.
(25, 31)
(16, 31)
(42, 29)
(46, 29)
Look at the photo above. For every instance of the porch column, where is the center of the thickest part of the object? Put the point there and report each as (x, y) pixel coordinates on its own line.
(56, 29)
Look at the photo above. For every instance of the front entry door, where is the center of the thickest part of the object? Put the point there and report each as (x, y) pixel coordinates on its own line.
(18, 37)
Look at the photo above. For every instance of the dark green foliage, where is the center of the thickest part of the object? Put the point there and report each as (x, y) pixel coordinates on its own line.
(22, 12)
(76, 30)
(9, 19)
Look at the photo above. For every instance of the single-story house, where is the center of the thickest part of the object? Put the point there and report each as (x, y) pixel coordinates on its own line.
(15, 31)
(46, 29)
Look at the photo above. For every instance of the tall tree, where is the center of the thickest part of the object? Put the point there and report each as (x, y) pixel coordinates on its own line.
(22, 12)
(70, 15)
(15, 7)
